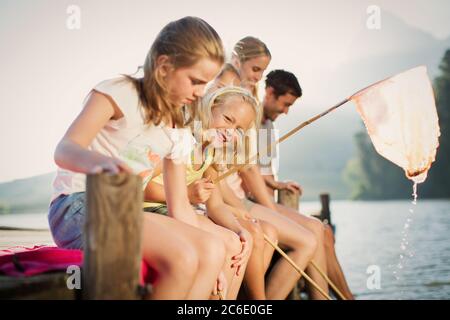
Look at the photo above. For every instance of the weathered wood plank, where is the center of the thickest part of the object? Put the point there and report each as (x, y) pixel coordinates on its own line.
(325, 213)
(289, 199)
(45, 286)
(112, 253)
(27, 238)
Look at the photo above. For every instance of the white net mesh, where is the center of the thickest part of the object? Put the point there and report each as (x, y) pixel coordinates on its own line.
(401, 119)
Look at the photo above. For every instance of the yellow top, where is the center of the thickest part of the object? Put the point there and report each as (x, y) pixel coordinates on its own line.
(191, 174)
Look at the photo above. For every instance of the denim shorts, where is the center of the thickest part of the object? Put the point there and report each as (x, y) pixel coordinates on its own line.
(162, 209)
(66, 218)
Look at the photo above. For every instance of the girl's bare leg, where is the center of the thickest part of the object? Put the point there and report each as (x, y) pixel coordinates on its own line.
(272, 233)
(317, 228)
(175, 260)
(298, 239)
(233, 248)
(335, 272)
(210, 250)
(254, 275)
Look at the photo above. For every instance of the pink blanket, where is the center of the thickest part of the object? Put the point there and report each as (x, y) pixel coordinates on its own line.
(23, 261)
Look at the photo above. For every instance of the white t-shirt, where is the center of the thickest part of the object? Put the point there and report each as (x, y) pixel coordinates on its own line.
(269, 160)
(234, 180)
(138, 144)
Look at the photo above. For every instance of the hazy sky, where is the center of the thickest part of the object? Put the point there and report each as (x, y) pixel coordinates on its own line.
(47, 69)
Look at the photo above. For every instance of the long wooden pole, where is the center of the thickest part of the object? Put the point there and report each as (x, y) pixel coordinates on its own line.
(291, 199)
(238, 167)
(339, 293)
(294, 265)
(294, 203)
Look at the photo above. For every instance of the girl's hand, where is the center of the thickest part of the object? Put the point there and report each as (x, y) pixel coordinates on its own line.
(291, 186)
(244, 236)
(220, 285)
(199, 191)
(110, 165)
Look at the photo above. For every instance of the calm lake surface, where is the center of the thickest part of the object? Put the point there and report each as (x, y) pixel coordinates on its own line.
(372, 234)
(379, 237)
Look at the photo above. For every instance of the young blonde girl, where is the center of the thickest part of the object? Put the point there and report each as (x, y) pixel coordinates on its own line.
(250, 59)
(259, 261)
(219, 116)
(123, 121)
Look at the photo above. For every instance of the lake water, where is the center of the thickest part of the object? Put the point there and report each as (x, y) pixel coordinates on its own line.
(369, 235)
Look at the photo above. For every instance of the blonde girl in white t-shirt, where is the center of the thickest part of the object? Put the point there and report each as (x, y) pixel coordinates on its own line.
(127, 124)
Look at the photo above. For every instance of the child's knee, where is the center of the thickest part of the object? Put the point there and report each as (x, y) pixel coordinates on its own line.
(307, 242)
(269, 230)
(318, 228)
(212, 250)
(232, 243)
(256, 232)
(184, 265)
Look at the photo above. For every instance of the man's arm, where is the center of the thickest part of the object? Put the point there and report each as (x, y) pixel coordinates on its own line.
(271, 184)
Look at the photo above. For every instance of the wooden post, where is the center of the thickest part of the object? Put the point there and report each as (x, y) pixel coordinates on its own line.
(291, 199)
(288, 198)
(325, 212)
(112, 237)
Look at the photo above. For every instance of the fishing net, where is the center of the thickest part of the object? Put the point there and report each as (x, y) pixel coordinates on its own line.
(401, 119)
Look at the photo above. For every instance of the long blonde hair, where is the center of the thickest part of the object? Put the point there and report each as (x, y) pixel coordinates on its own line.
(184, 41)
(248, 48)
(217, 98)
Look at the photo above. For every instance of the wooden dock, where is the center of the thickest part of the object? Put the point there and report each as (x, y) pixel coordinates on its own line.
(112, 257)
(11, 237)
(45, 286)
